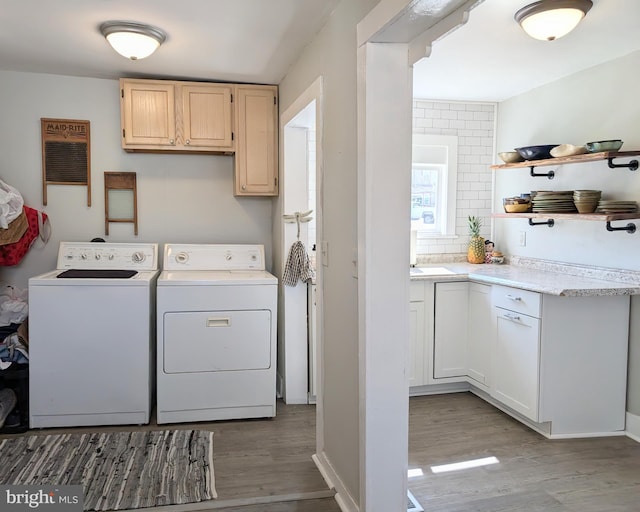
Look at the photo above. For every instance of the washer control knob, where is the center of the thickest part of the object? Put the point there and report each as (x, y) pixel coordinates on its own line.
(83, 256)
(111, 256)
(228, 256)
(138, 257)
(182, 257)
(97, 256)
(254, 257)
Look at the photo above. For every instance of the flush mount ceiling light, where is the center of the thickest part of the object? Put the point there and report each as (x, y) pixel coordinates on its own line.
(550, 19)
(132, 40)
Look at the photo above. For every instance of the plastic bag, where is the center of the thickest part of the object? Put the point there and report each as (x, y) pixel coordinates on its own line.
(14, 307)
(11, 204)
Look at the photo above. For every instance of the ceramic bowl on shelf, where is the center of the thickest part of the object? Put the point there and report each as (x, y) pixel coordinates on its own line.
(510, 157)
(536, 152)
(567, 150)
(516, 204)
(604, 145)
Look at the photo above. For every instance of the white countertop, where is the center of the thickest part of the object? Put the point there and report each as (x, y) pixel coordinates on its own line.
(543, 281)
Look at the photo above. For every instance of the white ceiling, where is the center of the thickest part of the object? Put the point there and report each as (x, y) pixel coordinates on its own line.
(492, 59)
(488, 59)
(231, 40)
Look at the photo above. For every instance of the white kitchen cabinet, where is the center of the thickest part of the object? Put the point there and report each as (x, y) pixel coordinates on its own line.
(480, 335)
(566, 370)
(516, 356)
(450, 330)
(415, 366)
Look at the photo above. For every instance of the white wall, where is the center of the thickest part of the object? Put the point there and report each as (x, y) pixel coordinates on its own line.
(473, 124)
(332, 55)
(181, 198)
(596, 104)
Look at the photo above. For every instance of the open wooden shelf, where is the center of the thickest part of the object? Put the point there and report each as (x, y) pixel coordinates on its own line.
(601, 217)
(587, 157)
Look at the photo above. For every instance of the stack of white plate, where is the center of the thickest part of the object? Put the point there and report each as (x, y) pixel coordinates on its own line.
(553, 201)
(586, 201)
(617, 207)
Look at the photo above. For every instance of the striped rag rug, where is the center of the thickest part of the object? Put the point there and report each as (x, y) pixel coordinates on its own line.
(118, 470)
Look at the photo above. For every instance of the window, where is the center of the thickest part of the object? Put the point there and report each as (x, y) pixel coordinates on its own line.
(433, 184)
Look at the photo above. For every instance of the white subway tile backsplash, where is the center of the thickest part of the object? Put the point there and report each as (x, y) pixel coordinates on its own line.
(473, 124)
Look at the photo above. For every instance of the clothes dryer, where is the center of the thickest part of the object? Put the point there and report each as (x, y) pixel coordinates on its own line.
(216, 334)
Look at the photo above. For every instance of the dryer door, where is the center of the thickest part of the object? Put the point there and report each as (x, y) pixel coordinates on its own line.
(213, 341)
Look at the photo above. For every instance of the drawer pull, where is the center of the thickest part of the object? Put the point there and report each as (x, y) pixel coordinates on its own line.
(514, 298)
(218, 322)
(513, 318)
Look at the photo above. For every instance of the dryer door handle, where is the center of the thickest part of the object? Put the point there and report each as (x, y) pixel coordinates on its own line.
(218, 322)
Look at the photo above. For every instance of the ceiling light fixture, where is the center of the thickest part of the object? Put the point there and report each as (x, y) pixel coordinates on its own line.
(551, 19)
(132, 40)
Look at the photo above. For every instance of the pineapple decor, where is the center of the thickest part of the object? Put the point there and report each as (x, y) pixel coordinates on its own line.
(475, 253)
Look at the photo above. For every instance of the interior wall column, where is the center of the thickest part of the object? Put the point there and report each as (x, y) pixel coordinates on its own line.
(384, 191)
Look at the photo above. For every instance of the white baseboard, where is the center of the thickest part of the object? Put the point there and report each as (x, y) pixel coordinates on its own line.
(343, 498)
(633, 427)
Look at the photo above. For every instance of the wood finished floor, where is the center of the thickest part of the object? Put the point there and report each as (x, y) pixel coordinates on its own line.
(534, 474)
(258, 458)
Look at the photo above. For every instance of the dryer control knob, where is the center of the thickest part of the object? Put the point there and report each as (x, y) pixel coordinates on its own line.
(138, 257)
(182, 257)
(228, 256)
(97, 256)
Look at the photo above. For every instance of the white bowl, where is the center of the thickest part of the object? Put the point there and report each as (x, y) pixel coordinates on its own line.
(567, 150)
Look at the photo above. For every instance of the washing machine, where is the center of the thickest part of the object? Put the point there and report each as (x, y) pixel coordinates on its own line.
(91, 336)
(216, 334)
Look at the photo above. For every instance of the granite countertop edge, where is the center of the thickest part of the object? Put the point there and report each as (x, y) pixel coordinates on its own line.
(554, 279)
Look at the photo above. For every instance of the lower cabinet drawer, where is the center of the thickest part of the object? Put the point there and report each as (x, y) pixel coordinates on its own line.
(515, 299)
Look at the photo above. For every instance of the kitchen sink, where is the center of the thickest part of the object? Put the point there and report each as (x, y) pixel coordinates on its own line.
(431, 271)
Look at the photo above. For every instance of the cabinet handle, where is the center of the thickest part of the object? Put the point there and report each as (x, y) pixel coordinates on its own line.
(188, 142)
(513, 318)
(514, 298)
(244, 187)
(171, 141)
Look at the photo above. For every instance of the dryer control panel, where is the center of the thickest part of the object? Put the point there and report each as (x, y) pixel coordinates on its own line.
(213, 257)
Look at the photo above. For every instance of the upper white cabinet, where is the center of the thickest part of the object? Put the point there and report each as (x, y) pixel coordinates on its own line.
(256, 112)
(165, 115)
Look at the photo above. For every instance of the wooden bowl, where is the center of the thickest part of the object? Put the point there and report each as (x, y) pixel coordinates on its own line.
(517, 208)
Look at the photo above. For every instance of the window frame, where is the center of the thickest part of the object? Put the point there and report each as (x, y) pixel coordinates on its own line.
(446, 200)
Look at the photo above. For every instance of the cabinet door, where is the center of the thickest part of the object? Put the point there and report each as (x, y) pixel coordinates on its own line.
(480, 333)
(416, 344)
(450, 330)
(256, 164)
(147, 113)
(206, 111)
(516, 362)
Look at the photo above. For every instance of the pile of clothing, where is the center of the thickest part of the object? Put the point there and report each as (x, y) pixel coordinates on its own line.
(14, 353)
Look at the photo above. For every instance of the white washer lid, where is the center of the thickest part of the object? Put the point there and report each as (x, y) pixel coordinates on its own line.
(142, 278)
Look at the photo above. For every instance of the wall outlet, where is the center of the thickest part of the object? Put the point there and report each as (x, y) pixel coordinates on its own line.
(523, 238)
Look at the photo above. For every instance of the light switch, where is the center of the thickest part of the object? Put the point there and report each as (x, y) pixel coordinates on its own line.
(324, 252)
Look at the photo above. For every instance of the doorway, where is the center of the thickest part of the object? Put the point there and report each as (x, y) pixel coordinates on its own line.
(299, 336)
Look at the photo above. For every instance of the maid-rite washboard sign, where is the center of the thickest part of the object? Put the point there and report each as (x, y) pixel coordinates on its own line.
(66, 154)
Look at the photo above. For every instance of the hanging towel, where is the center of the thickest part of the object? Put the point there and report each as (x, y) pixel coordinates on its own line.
(297, 266)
